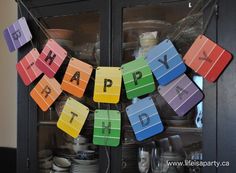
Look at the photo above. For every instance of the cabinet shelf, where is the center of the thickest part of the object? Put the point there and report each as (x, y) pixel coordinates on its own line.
(47, 123)
(183, 130)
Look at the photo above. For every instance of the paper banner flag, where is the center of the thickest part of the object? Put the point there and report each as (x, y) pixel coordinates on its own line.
(73, 117)
(207, 58)
(165, 62)
(181, 94)
(51, 58)
(107, 125)
(17, 35)
(107, 85)
(137, 78)
(46, 92)
(76, 77)
(144, 118)
(27, 69)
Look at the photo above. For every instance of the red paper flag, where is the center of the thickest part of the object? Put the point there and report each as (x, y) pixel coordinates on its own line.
(27, 69)
(51, 58)
(207, 58)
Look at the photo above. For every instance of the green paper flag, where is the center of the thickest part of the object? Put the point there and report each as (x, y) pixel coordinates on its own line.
(107, 124)
(137, 78)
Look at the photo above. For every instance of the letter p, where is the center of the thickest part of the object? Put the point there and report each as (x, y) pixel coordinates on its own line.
(136, 76)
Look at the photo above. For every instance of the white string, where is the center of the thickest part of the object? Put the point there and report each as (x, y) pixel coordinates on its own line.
(21, 15)
(189, 14)
(108, 160)
(186, 26)
(43, 29)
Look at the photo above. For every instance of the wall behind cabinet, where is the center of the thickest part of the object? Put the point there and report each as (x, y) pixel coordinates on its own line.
(8, 116)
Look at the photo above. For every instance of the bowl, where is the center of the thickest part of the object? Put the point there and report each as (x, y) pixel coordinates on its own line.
(133, 29)
(64, 34)
(80, 147)
(86, 155)
(44, 154)
(45, 165)
(60, 163)
(59, 169)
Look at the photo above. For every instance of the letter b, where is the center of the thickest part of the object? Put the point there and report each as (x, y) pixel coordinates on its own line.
(16, 35)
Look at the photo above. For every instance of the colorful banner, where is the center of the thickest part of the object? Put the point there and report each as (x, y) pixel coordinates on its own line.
(144, 119)
(165, 62)
(76, 77)
(137, 78)
(207, 58)
(51, 58)
(46, 92)
(27, 69)
(107, 126)
(73, 117)
(181, 94)
(17, 35)
(107, 85)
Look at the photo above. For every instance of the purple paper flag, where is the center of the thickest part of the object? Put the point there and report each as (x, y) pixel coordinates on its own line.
(17, 34)
(181, 94)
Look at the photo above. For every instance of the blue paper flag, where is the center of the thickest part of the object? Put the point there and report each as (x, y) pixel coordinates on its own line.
(165, 62)
(144, 118)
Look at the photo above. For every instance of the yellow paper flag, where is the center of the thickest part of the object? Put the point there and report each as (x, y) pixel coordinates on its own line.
(73, 117)
(107, 85)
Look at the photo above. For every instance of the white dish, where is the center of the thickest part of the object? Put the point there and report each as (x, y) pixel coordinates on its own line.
(44, 154)
(57, 168)
(85, 162)
(45, 170)
(45, 165)
(61, 162)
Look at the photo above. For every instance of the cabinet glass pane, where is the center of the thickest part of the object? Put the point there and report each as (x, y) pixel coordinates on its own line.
(80, 35)
(144, 26)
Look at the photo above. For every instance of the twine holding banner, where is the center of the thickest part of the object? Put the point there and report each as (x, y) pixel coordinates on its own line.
(205, 57)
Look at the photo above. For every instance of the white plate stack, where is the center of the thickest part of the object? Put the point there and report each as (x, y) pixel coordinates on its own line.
(45, 161)
(84, 166)
(61, 165)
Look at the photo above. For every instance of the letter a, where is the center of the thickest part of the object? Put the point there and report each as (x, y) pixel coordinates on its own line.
(76, 77)
(180, 91)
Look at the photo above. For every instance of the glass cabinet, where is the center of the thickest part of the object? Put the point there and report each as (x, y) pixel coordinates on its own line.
(111, 33)
(140, 25)
(80, 36)
(82, 29)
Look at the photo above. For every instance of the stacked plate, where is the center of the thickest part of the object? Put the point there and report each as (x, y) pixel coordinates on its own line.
(61, 165)
(82, 166)
(129, 158)
(45, 161)
(85, 161)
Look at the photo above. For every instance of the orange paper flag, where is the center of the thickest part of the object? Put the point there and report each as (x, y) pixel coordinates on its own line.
(46, 92)
(76, 77)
